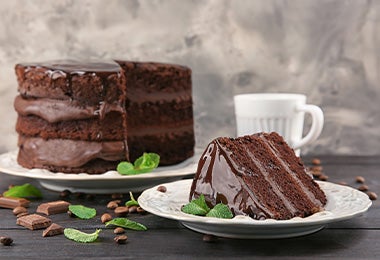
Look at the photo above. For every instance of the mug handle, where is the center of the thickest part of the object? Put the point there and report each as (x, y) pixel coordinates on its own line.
(316, 125)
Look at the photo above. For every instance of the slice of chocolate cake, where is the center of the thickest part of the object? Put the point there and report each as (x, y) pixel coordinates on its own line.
(257, 175)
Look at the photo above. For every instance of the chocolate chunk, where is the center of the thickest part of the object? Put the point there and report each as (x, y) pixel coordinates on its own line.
(33, 221)
(12, 202)
(54, 207)
(53, 230)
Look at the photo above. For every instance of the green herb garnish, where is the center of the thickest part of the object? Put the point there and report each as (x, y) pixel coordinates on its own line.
(82, 212)
(132, 201)
(23, 191)
(220, 211)
(79, 236)
(126, 223)
(145, 163)
(199, 207)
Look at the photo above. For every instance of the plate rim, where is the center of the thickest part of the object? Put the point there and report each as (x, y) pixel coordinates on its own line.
(294, 222)
(184, 168)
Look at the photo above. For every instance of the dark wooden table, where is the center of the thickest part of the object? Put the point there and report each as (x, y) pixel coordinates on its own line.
(357, 238)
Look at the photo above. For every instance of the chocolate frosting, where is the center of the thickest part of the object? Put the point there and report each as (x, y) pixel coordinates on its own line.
(68, 153)
(61, 67)
(209, 181)
(53, 110)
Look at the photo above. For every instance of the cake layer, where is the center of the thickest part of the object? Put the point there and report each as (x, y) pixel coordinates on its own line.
(152, 77)
(257, 175)
(110, 128)
(39, 153)
(88, 83)
(173, 146)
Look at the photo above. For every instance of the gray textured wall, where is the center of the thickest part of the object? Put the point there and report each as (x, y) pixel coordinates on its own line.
(329, 50)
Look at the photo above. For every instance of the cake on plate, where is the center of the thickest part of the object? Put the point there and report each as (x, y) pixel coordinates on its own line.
(78, 116)
(257, 175)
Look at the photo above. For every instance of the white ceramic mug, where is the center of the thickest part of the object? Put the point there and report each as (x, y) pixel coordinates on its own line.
(278, 112)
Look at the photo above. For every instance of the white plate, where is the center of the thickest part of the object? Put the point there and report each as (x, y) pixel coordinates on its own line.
(343, 203)
(109, 182)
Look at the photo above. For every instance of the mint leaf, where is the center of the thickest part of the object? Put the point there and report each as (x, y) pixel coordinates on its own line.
(23, 191)
(82, 212)
(79, 236)
(125, 167)
(197, 207)
(220, 211)
(145, 163)
(132, 201)
(126, 223)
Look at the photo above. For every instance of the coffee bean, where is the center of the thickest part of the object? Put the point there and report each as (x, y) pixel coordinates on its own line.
(132, 209)
(316, 168)
(121, 211)
(6, 241)
(372, 195)
(65, 194)
(316, 161)
(161, 188)
(18, 210)
(359, 179)
(323, 177)
(209, 238)
(121, 239)
(105, 218)
(363, 187)
(112, 205)
(119, 230)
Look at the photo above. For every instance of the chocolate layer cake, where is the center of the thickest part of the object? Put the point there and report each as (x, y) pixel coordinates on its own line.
(86, 117)
(257, 175)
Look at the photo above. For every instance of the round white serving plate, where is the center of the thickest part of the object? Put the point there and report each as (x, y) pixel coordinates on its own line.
(108, 182)
(342, 203)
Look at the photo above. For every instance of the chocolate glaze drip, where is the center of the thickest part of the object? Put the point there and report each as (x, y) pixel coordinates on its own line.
(218, 179)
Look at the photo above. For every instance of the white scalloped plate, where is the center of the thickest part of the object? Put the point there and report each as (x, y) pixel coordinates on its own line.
(342, 203)
(108, 182)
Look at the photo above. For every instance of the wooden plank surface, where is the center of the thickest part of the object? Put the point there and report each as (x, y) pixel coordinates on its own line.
(166, 239)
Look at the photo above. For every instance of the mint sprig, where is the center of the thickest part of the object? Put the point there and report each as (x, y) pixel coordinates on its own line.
(79, 236)
(82, 212)
(220, 211)
(126, 223)
(26, 190)
(145, 163)
(132, 201)
(199, 207)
